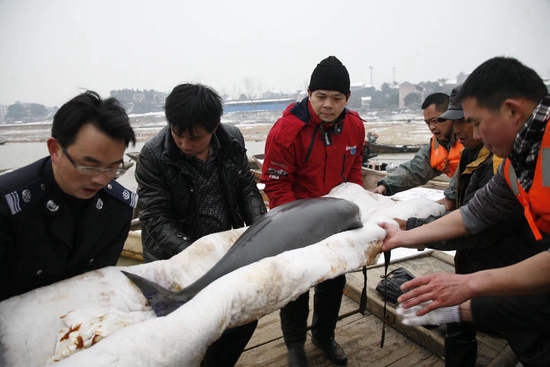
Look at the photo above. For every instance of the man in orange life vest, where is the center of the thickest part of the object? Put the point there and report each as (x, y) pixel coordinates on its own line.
(440, 156)
(509, 105)
(493, 248)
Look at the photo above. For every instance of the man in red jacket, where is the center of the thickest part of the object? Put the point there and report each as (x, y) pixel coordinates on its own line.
(316, 145)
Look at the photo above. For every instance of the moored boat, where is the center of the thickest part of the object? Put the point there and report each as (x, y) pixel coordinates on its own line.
(376, 148)
(390, 148)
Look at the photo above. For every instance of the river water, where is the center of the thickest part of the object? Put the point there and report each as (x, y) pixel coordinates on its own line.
(15, 155)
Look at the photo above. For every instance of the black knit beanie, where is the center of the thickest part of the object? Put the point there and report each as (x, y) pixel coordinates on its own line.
(330, 74)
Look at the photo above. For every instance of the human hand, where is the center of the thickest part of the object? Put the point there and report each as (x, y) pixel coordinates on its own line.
(440, 316)
(380, 189)
(392, 233)
(444, 289)
(402, 223)
(447, 203)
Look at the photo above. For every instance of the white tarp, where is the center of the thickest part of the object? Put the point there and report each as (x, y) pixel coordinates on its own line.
(105, 309)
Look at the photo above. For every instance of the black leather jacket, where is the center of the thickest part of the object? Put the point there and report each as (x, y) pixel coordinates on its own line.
(167, 191)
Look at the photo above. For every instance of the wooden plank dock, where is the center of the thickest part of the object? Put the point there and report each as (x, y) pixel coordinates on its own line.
(360, 335)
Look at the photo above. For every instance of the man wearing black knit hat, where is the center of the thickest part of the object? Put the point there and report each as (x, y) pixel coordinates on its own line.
(316, 145)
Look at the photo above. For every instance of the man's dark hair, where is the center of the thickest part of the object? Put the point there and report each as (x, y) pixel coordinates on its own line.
(191, 105)
(440, 100)
(500, 78)
(106, 115)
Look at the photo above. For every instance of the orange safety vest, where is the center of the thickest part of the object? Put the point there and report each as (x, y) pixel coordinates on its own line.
(445, 160)
(536, 203)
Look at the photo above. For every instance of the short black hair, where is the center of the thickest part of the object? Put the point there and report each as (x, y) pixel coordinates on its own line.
(107, 115)
(191, 105)
(500, 78)
(440, 100)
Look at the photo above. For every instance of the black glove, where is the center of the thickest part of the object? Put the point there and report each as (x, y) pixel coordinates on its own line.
(394, 279)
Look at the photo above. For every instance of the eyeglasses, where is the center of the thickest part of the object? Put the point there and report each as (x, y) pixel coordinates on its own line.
(434, 120)
(94, 171)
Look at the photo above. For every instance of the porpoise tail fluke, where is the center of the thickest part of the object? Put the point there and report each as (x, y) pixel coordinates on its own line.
(160, 298)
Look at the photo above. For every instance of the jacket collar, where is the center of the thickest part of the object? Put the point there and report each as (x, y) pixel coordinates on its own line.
(171, 153)
(481, 154)
(62, 225)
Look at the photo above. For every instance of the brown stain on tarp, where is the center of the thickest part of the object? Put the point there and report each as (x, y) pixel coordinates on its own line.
(71, 329)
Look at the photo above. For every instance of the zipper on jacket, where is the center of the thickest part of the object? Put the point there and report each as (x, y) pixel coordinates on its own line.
(344, 168)
(312, 142)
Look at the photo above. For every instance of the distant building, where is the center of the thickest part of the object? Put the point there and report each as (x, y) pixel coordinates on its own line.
(159, 97)
(407, 88)
(138, 97)
(356, 86)
(461, 78)
(3, 112)
(365, 102)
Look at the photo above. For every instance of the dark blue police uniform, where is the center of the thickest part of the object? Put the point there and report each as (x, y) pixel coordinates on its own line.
(42, 241)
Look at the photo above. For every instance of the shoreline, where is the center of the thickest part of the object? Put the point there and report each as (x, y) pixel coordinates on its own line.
(389, 132)
(254, 125)
(403, 129)
(144, 132)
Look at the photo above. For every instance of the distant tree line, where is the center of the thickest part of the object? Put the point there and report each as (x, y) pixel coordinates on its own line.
(387, 97)
(26, 112)
(148, 100)
(140, 101)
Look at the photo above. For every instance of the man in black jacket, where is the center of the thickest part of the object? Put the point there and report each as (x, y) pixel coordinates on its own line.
(64, 215)
(193, 180)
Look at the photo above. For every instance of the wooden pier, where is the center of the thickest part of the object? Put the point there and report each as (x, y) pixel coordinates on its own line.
(360, 336)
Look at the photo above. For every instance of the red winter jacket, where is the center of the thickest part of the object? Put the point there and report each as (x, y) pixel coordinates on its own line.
(306, 158)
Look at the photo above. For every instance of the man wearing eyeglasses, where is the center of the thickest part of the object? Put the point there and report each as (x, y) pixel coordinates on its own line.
(64, 215)
(440, 156)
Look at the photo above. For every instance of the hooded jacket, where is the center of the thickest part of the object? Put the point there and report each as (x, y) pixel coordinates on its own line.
(169, 189)
(305, 157)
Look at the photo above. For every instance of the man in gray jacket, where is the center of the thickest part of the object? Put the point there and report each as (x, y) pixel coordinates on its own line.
(439, 156)
(193, 180)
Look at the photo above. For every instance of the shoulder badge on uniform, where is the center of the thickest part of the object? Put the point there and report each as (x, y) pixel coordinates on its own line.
(118, 191)
(52, 206)
(21, 198)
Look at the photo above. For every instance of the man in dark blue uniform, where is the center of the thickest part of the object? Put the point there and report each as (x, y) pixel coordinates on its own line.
(64, 215)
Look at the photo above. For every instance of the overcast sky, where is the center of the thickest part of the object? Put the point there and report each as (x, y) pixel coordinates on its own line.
(51, 50)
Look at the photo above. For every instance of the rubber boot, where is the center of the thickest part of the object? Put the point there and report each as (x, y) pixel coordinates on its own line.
(460, 345)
